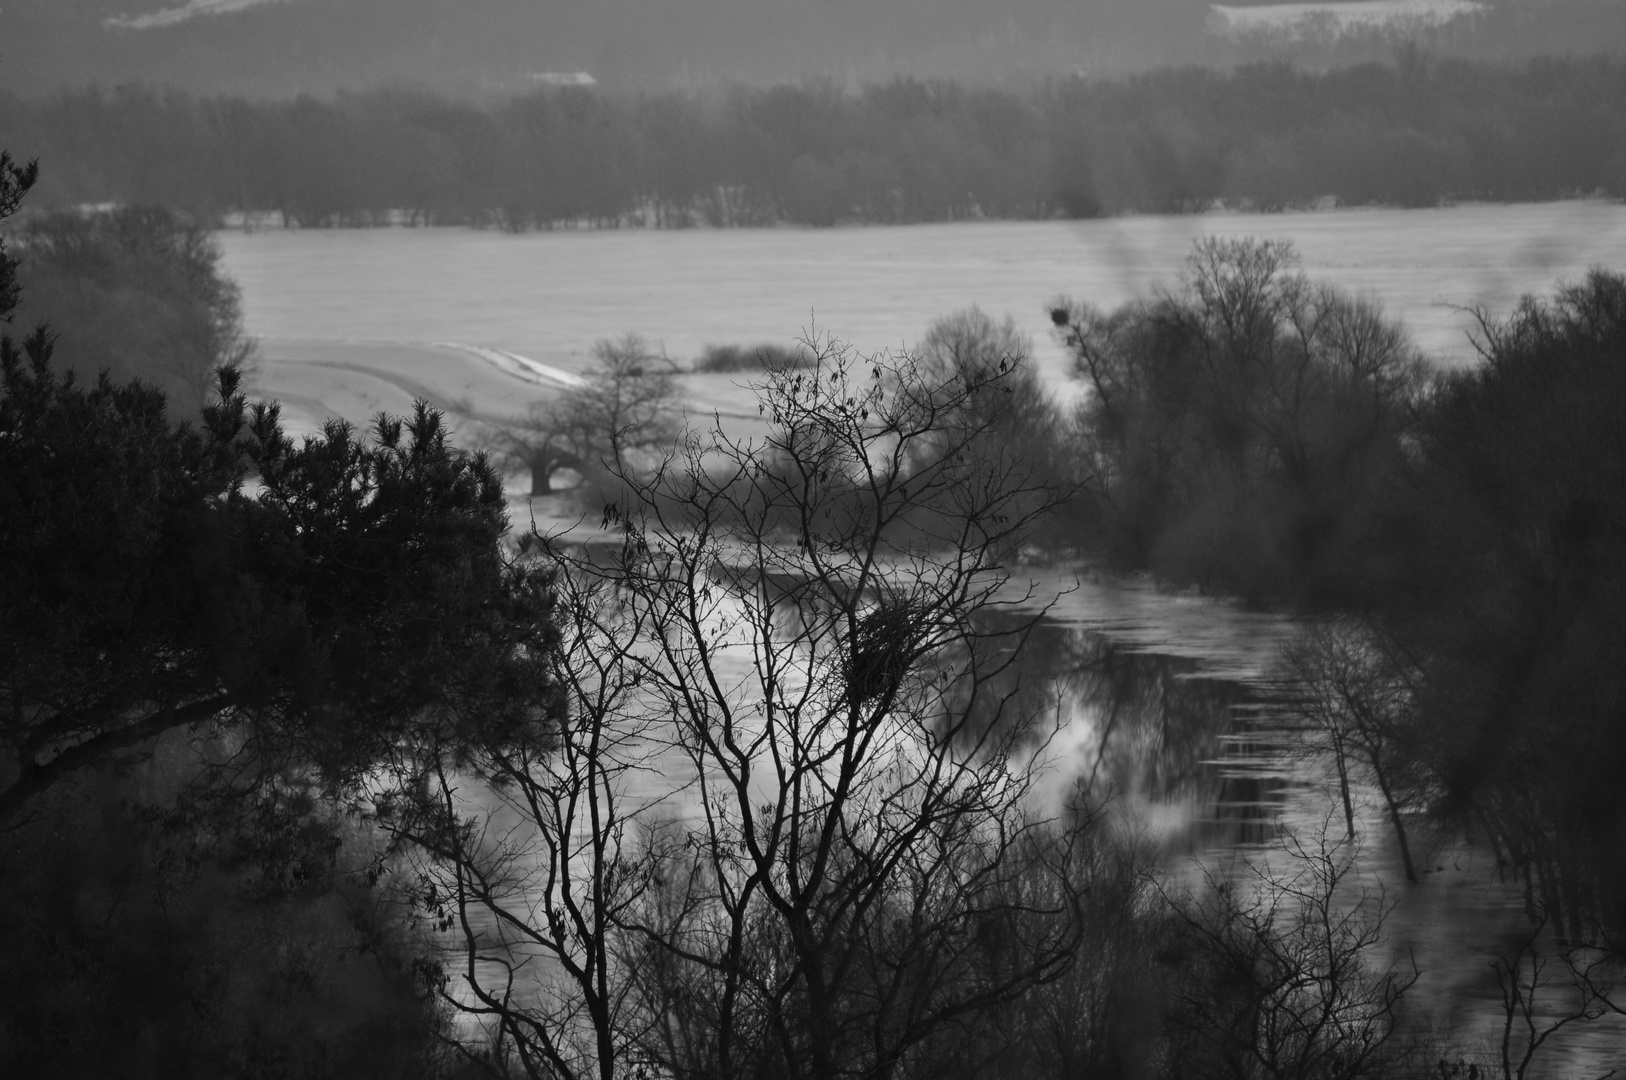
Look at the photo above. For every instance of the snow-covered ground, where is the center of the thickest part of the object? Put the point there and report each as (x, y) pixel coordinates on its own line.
(173, 15)
(548, 296)
(1336, 19)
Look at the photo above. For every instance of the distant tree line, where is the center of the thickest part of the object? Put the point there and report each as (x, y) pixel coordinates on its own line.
(473, 47)
(1410, 133)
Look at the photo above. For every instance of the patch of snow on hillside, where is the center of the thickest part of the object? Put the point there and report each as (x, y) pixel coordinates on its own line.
(521, 367)
(171, 16)
(1335, 19)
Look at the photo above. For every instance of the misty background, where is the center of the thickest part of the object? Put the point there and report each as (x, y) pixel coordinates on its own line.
(478, 47)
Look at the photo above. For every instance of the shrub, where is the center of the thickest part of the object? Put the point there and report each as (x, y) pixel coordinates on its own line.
(717, 359)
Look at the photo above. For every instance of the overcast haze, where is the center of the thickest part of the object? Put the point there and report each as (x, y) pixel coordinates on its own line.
(280, 47)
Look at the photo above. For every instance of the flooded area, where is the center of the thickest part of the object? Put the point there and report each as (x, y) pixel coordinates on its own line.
(1170, 713)
(1178, 712)
(1169, 706)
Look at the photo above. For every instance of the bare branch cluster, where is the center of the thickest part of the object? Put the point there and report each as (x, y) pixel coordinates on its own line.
(783, 829)
(619, 421)
(1283, 970)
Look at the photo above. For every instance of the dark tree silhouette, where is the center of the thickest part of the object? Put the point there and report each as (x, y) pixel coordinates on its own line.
(619, 421)
(192, 677)
(15, 180)
(1239, 427)
(352, 607)
(796, 623)
(1508, 585)
(136, 292)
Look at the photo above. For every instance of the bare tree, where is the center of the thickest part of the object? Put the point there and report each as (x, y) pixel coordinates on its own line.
(1238, 428)
(788, 632)
(618, 423)
(1526, 978)
(1021, 416)
(532, 877)
(1278, 979)
(537, 442)
(1359, 695)
(627, 418)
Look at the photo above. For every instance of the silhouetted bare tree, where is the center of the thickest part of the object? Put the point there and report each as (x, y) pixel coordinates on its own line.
(621, 421)
(788, 632)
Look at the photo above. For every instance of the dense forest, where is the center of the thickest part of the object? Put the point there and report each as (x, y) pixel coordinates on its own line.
(1413, 132)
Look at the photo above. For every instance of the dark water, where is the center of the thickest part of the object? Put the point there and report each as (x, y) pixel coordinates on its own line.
(1169, 711)
(1173, 710)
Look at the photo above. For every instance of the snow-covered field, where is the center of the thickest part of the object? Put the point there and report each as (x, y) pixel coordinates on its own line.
(171, 15)
(352, 322)
(1335, 19)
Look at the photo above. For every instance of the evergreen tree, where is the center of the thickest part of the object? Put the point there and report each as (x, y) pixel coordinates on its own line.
(332, 607)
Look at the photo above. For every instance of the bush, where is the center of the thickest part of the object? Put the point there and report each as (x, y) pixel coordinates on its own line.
(150, 934)
(716, 359)
(1239, 429)
(137, 293)
(1509, 585)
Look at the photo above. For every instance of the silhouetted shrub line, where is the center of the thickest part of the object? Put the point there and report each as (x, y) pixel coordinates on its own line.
(1418, 132)
(715, 359)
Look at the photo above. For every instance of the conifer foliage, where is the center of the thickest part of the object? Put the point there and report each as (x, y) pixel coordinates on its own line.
(343, 603)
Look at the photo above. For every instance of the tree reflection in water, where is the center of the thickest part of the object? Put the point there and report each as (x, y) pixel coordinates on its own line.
(1205, 762)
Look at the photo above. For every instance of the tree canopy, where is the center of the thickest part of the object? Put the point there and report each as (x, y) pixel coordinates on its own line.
(340, 602)
(1239, 427)
(1507, 594)
(136, 292)
(353, 602)
(623, 415)
(15, 180)
(214, 645)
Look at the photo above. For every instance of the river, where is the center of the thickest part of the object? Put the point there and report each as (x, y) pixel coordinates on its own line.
(1178, 707)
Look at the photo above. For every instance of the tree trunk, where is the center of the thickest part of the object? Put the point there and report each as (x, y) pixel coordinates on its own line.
(542, 476)
(1342, 763)
(1394, 816)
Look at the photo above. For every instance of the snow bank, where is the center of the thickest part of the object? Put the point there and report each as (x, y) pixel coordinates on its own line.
(1336, 19)
(171, 16)
(520, 367)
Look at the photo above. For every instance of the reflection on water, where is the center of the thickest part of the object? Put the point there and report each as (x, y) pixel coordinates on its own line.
(1168, 709)
(1164, 708)
(1171, 707)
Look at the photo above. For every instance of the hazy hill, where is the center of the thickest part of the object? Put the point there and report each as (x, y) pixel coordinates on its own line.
(280, 47)
(286, 46)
